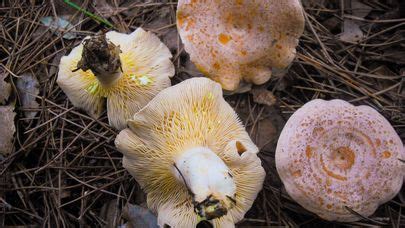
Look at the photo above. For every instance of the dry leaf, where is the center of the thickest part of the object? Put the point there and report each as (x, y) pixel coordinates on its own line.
(27, 86)
(105, 9)
(58, 25)
(54, 65)
(5, 88)
(162, 18)
(170, 38)
(360, 9)
(269, 129)
(139, 217)
(352, 31)
(263, 96)
(351, 28)
(7, 129)
(110, 213)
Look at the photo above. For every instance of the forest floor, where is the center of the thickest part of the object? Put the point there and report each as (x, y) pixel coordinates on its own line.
(64, 169)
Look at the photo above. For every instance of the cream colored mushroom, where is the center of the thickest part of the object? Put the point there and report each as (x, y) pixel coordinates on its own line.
(192, 156)
(126, 69)
(333, 157)
(233, 40)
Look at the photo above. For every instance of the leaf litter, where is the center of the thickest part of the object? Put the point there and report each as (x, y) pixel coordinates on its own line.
(64, 167)
(28, 89)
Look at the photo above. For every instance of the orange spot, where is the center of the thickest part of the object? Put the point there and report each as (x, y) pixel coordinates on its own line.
(202, 69)
(190, 24)
(301, 189)
(243, 53)
(239, 2)
(344, 157)
(378, 142)
(181, 18)
(330, 173)
(318, 179)
(386, 154)
(261, 28)
(229, 18)
(279, 46)
(213, 53)
(240, 148)
(190, 37)
(308, 152)
(217, 66)
(296, 173)
(318, 130)
(362, 189)
(320, 201)
(368, 141)
(224, 39)
(328, 182)
(329, 206)
(341, 195)
(367, 175)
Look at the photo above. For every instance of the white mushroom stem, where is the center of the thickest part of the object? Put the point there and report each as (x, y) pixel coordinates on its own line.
(209, 181)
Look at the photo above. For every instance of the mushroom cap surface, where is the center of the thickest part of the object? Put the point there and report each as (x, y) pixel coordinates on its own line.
(233, 40)
(146, 70)
(332, 156)
(190, 114)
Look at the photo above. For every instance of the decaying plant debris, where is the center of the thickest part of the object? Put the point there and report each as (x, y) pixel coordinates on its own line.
(64, 167)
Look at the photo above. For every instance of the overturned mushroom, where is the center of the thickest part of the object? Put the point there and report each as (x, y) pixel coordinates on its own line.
(192, 156)
(335, 158)
(233, 40)
(126, 69)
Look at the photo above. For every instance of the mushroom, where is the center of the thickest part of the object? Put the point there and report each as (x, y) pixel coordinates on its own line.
(192, 156)
(233, 40)
(126, 69)
(336, 159)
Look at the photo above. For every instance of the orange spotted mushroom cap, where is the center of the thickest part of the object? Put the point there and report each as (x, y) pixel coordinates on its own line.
(240, 39)
(333, 157)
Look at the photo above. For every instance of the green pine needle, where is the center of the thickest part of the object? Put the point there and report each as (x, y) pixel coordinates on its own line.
(87, 13)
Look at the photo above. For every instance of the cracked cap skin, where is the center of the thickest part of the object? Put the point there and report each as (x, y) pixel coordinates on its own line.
(192, 156)
(141, 68)
(335, 158)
